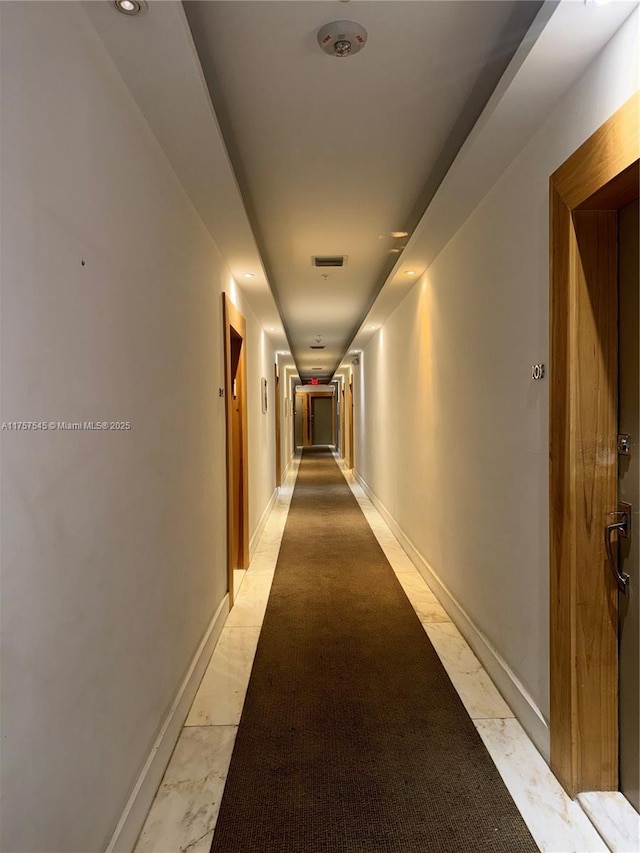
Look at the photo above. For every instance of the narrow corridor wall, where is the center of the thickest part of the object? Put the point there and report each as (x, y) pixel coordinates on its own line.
(113, 542)
(453, 439)
(260, 424)
(287, 446)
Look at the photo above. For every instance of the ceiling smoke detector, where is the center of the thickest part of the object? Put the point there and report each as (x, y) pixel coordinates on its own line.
(342, 38)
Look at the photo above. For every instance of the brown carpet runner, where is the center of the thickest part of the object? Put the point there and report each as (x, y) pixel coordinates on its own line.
(352, 738)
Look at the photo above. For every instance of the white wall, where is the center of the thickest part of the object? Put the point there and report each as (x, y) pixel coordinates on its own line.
(344, 375)
(113, 543)
(260, 425)
(287, 444)
(453, 433)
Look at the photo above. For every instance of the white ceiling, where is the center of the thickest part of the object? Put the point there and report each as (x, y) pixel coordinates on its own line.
(332, 155)
(302, 154)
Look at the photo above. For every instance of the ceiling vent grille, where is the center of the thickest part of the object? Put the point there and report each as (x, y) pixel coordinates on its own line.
(316, 346)
(329, 260)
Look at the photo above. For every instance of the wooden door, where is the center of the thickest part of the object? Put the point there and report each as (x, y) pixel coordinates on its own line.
(277, 426)
(300, 420)
(351, 430)
(342, 423)
(586, 193)
(236, 441)
(322, 422)
(629, 496)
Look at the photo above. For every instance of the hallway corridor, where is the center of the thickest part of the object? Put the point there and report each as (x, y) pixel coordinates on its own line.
(265, 782)
(233, 229)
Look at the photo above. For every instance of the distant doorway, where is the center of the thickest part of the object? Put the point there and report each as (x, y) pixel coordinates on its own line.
(236, 441)
(342, 421)
(322, 420)
(351, 430)
(315, 421)
(277, 425)
(300, 420)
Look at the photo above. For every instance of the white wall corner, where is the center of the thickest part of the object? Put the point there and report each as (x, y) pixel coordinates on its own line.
(135, 812)
(512, 690)
(257, 533)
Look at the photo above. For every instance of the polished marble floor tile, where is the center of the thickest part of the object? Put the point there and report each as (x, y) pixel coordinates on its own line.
(479, 695)
(238, 577)
(422, 599)
(221, 693)
(398, 558)
(615, 819)
(201, 846)
(556, 822)
(263, 562)
(250, 605)
(186, 806)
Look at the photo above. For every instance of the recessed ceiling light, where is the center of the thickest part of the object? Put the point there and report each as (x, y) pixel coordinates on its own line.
(249, 275)
(410, 272)
(597, 2)
(130, 7)
(398, 234)
(395, 251)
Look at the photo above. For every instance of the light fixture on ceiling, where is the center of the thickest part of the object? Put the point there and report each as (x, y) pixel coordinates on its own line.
(410, 272)
(131, 7)
(342, 38)
(249, 275)
(398, 234)
(597, 2)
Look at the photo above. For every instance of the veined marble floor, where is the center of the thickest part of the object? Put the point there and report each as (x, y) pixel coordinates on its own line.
(183, 815)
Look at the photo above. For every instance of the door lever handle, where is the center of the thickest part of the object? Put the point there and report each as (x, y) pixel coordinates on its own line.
(622, 528)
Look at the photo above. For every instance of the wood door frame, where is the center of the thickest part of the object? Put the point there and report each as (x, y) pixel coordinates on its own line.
(342, 431)
(351, 430)
(301, 398)
(276, 386)
(237, 528)
(585, 194)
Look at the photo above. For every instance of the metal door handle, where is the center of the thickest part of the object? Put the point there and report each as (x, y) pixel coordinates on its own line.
(622, 528)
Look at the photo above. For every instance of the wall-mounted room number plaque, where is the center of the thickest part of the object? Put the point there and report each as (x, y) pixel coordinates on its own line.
(537, 371)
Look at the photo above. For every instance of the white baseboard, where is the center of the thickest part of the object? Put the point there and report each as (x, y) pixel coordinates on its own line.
(257, 533)
(133, 817)
(513, 691)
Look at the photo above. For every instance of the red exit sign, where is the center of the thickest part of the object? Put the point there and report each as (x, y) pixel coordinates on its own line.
(314, 381)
